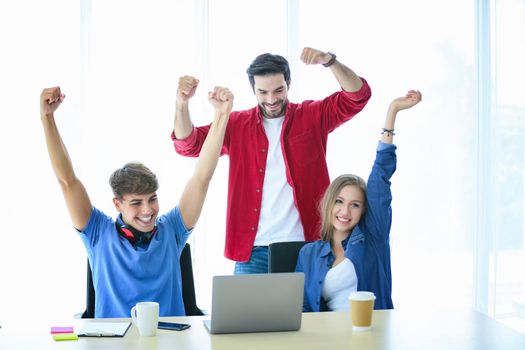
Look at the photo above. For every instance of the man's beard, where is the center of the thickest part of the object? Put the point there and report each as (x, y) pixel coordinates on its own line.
(267, 113)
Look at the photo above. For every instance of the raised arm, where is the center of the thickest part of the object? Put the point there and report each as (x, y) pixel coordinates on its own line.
(192, 198)
(346, 77)
(75, 195)
(185, 91)
(378, 216)
(412, 98)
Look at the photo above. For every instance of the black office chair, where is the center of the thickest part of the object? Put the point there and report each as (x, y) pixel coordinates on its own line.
(282, 256)
(188, 287)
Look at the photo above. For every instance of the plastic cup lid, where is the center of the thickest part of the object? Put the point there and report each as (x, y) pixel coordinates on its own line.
(362, 296)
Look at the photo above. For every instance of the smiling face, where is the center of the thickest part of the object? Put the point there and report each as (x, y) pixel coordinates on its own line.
(138, 210)
(271, 92)
(347, 210)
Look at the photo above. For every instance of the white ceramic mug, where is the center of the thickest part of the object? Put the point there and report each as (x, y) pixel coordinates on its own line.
(145, 316)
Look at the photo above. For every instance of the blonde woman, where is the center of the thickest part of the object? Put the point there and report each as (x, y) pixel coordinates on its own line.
(354, 250)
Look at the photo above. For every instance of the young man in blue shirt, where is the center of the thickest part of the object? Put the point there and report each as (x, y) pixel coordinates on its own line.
(136, 256)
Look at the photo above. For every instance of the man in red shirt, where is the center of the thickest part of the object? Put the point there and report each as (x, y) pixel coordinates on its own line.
(277, 151)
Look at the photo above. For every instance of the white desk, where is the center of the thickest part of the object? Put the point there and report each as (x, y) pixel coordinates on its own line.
(393, 329)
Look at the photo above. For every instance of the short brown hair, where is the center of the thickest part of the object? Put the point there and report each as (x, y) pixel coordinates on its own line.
(328, 201)
(268, 64)
(133, 178)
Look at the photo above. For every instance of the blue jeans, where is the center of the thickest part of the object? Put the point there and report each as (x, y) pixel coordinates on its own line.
(258, 262)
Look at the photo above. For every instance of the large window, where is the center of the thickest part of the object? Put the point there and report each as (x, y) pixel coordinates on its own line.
(505, 296)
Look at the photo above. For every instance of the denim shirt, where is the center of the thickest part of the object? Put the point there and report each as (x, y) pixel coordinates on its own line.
(368, 247)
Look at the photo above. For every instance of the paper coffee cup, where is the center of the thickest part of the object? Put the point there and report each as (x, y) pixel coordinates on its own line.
(361, 308)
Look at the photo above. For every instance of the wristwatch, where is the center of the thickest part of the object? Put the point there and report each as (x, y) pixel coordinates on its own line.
(332, 60)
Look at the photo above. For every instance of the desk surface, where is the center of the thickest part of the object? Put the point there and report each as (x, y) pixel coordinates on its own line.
(392, 329)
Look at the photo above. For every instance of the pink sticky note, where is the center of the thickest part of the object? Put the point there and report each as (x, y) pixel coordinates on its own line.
(60, 330)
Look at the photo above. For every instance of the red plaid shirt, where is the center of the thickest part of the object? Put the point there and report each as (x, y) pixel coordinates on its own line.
(303, 140)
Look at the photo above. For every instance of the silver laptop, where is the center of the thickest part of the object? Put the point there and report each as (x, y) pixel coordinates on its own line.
(256, 303)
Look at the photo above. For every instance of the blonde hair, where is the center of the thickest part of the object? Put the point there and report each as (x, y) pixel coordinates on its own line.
(328, 201)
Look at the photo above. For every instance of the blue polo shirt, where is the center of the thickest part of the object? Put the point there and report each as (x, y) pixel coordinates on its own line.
(368, 247)
(124, 276)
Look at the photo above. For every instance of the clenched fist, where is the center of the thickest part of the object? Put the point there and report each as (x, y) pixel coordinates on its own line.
(221, 99)
(186, 89)
(50, 99)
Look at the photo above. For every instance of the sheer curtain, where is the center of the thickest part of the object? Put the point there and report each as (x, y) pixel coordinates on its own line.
(40, 48)
(503, 242)
(457, 233)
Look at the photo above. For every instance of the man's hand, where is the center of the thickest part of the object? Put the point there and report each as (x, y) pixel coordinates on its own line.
(221, 99)
(412, 98)
(186, 89)
(50, 99)
(313, 56)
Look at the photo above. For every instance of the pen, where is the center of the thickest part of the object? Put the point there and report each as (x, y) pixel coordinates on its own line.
(100, 334)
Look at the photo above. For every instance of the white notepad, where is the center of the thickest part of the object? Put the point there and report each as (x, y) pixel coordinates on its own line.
(104, 329)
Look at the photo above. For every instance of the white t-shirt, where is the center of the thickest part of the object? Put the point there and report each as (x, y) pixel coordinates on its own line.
(279, 220)
(339, 282)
